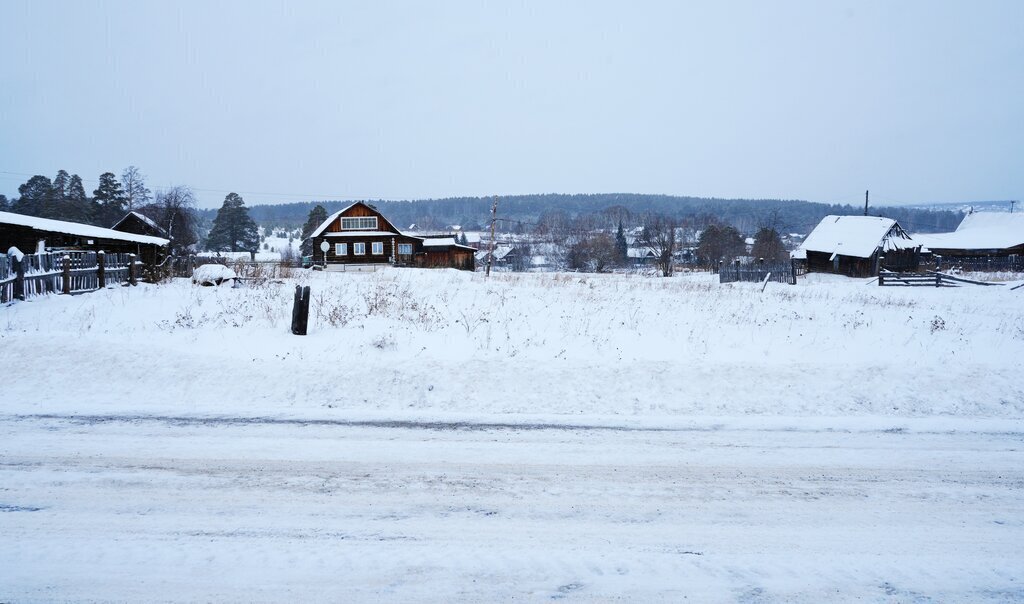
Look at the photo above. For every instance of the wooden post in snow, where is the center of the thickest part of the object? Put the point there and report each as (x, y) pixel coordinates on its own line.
(19, 281)
(300, 311)
(494, 218)
(67, 275)
(132, 278)
(101, 277)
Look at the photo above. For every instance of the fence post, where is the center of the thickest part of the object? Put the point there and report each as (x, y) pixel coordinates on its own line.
(881, 278)
(300, 311)
(101, 275)
(131, 269)
(938, 279)
(19, 281)
(737, 269)
(792, 268)
(67, 274)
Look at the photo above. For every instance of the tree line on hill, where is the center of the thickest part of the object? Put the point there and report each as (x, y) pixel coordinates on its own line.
(554, 212)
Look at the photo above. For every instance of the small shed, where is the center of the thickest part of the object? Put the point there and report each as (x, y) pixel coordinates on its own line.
(857, 246)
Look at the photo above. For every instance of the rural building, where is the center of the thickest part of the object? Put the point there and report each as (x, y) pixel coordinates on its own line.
(31, 234)
(993, 234)
(857, 246)
(140, 224)
(360, 235)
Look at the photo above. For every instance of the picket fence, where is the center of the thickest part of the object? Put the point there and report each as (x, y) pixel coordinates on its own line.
(64, 272)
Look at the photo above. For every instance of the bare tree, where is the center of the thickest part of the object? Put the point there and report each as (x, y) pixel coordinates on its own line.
(659, 234)
(174, 210)
(133, 182)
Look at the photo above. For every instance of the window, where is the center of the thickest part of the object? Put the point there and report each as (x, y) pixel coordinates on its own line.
(359, 223)
(405, 249)
(359, 249)
(378, 248)
(341, 249)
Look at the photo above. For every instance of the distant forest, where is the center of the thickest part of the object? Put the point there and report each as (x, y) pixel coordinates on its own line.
(529, 213)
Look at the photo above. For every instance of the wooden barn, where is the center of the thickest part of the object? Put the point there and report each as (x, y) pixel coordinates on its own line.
(140, 224)
(360, 235)
(988, 234)
(31, 234)
(857, 246)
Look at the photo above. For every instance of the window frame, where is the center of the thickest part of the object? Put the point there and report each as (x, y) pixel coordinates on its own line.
(359, 223)
(341, 249)
(405, 249)
(359, 248)
(377, 248)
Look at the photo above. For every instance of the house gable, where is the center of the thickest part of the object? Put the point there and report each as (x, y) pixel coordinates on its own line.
(336, 224)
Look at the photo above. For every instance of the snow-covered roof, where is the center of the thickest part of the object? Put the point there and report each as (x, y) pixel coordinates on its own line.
(641, 252)
(323, 225)
(146, 219)
(980, 231)
(500, 251)
(77, 229)
(857, 236)
(444, 242)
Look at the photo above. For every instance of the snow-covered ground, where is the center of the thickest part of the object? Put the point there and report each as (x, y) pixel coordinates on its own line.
(439, 435)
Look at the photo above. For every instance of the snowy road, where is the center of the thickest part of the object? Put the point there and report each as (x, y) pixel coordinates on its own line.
(167, 508)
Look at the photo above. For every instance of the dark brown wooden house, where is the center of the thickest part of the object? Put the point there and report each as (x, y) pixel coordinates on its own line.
(360, 235)
(31, 234)
(857, 246)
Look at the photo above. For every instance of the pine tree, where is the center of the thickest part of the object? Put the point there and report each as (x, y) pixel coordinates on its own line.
(108, 203)
(74, 205)
(34, 197)
(621, 246)
(317, 216)
(233, 229)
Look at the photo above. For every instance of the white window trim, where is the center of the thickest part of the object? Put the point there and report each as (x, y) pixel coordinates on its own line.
(377, 248)
(359, 223)
(359, 249)
(407, 247)
(341, 249)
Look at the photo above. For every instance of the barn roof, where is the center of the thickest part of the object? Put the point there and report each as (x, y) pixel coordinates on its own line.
(146, 219)
(857, 236)
(980, 231)
(77, 229)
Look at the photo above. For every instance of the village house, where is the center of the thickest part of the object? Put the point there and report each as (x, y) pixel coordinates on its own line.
(359, 235)
(858, 246)
(980, 234)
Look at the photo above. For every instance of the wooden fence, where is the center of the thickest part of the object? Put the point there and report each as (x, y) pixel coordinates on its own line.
(980, 263)
(779, 272)
(63, 272)
(928, 279)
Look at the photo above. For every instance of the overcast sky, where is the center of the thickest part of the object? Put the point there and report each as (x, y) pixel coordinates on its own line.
(292, 101)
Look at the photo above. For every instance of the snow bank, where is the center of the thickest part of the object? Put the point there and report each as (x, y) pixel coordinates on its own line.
(407, 342)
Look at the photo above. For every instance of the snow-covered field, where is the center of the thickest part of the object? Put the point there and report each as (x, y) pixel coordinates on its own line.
(440, 436)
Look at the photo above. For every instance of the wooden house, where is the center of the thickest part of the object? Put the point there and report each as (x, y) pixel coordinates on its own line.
(857, 246)
(980, 234)
(32, 234)
(360, 235)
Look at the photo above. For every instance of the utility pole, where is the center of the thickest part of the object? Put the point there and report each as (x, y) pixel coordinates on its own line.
(1012, 201)
(494, 218)
(865, 203)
